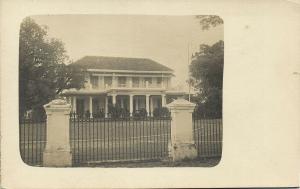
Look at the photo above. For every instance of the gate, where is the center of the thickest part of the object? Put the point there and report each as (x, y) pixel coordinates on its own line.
(119, 139)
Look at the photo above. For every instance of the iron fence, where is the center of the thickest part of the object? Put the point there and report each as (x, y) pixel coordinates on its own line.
(32, 140)
(119, 139)
(208, 133)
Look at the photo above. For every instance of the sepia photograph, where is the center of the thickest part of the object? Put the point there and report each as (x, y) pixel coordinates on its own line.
(121, 90)
(149, 94)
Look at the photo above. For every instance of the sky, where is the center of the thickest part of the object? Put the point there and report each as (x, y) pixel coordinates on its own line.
(165, 39)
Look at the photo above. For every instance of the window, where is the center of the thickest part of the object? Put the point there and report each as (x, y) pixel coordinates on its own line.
(149, 79)
(107, 81)
(122, 81)
(135, 82)
(94, 81)
(158, 81)
(167, 82)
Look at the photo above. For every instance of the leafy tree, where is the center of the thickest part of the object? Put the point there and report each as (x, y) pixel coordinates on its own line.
(207, 71)
(209, 21)
(43, 73)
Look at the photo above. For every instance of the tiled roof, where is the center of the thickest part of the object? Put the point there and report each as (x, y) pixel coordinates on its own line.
(120, 63)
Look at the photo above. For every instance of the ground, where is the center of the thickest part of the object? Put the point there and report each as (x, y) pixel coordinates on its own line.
(203, 162)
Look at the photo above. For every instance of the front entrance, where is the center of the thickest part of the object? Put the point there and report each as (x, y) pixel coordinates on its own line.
(139, 102)
(123, 101)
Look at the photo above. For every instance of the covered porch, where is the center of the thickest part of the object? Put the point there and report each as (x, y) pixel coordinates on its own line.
(101, 105)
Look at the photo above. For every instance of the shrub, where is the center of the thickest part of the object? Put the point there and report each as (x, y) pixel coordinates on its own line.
(118, 112)
(205, 110)
(99, 114)
(140, 113)
(161, 112)
(87, 114)
(38, 114)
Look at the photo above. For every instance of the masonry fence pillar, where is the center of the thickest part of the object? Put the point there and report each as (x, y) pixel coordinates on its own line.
(182, 146)
(57, 152)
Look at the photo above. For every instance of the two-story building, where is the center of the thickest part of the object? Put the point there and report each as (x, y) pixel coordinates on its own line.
(130, 83)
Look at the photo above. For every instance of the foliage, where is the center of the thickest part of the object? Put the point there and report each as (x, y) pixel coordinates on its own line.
(141, 113)
(118, 112)
(212, 108)
(209, 21)
(161, 112)
(207, 66)
(207, 70)
(38, 114)
(43, 73)
(99, 114)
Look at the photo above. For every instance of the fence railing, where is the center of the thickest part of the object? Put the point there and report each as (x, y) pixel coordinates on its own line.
(119, 139)
(32, 140)
(208, 133)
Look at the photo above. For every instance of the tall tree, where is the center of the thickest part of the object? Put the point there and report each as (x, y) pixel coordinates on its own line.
(208, 21)
(207, 70)
(43, 73)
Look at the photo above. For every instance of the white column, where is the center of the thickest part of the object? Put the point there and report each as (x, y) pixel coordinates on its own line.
(114, 80)
(114, 100)
(182, 141)
(137, 103)
(163, 100)
(57, 152)
(129, 82)
(106, 106)
(151, 104)
(74, 104)
(147, 104)
(91, 107)
(131, 104)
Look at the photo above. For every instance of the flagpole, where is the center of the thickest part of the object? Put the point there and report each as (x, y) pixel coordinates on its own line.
(189, 73)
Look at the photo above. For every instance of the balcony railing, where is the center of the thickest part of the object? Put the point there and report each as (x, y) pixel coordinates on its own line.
(123, 85)
(127, 85)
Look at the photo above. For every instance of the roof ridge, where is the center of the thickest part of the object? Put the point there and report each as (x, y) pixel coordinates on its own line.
(126, 63)
(116, 57)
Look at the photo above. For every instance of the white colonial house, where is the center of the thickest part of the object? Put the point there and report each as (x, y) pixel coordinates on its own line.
(130, 83)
